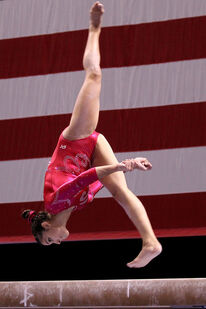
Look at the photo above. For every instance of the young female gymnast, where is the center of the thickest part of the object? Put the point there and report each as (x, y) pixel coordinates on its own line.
(83, 158)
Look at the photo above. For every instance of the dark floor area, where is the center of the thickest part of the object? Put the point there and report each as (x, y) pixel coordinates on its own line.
(182, 257)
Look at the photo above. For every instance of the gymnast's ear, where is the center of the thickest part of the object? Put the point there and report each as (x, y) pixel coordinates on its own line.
(46, 225)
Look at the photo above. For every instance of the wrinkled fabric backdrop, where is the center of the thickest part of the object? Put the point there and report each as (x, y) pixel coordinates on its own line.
(152, 104)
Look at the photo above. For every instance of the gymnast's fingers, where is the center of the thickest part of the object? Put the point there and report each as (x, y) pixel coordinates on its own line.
(147, 164)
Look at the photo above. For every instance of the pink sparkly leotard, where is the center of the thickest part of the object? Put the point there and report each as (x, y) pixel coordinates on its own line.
(70, 180)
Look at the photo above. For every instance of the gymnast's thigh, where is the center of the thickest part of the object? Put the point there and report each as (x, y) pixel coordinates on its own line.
(104, 155)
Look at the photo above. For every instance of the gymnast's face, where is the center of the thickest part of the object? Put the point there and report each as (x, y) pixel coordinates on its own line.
(53, 234)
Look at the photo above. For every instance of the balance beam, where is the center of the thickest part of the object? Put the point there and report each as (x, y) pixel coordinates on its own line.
(152, 293)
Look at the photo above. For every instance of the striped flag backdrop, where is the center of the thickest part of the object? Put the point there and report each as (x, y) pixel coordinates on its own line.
(152, 104)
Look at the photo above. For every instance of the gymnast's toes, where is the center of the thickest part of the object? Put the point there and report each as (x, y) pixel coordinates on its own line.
(95, 14)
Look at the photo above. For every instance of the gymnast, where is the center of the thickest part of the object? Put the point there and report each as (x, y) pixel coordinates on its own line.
(83, 162)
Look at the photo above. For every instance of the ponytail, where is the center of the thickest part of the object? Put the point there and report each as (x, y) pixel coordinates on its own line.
(36, 219)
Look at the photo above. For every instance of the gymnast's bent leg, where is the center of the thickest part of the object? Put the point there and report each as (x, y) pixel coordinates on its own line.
(116, 184)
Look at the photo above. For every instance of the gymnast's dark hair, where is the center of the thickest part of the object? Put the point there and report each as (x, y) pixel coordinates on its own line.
(35, 219)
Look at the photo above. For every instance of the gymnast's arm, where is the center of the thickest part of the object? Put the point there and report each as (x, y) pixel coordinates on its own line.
(125, 166)
(71, 188)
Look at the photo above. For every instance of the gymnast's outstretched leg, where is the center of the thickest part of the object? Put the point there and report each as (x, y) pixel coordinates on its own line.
(86, 110)
(133, 207)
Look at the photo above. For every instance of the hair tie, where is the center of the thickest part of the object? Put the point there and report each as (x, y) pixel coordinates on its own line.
(32, 214)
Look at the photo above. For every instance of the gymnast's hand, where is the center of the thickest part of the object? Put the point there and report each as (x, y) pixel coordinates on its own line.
(137, 163)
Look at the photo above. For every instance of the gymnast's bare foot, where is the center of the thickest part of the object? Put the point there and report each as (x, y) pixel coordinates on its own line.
(149, 251)
(95, 15)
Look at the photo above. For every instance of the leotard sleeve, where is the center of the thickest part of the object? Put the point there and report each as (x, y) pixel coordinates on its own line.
(71, 188)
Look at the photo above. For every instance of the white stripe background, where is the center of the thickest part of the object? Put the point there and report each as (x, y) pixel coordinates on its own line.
(34, 17)
(126, 87)
(174, 171)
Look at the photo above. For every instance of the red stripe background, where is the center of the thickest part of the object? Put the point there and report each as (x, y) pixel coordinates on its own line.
(165, 211)
(127, 130)
(128, 45)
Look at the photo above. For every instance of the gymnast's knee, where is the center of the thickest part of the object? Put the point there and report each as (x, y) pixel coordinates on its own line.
(118, 192)
(94, 73)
